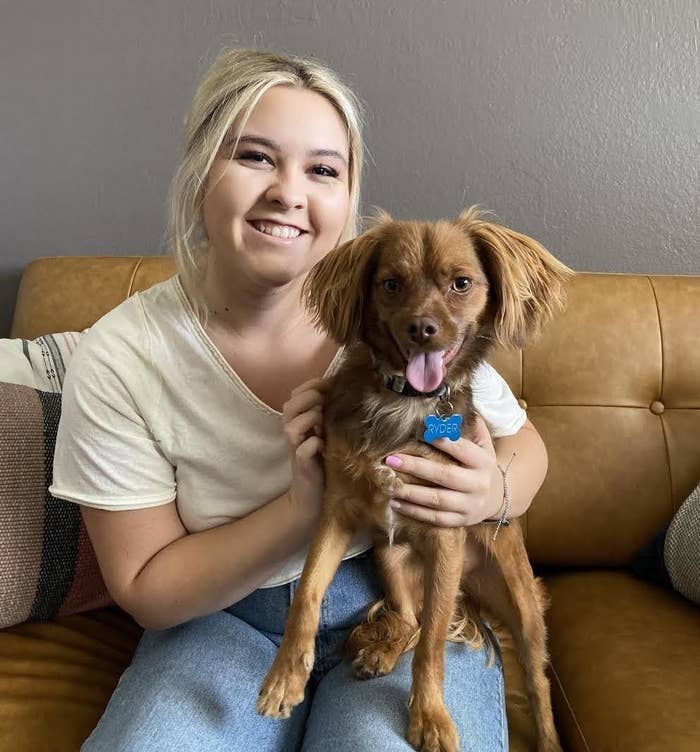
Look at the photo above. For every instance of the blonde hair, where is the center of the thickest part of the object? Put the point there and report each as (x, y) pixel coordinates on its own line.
(228, 93)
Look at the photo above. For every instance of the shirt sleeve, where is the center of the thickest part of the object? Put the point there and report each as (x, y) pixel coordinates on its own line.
(495, 402)
(106, 454)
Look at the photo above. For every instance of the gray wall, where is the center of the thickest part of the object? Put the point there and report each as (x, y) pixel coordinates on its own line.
(576, 121)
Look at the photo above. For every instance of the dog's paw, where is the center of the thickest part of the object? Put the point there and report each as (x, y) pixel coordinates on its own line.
(376, 645)
(374, 660)
(283, 688)
(430, 728)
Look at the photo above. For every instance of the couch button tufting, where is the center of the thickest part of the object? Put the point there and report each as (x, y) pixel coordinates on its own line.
(522, 404)
(657, 407)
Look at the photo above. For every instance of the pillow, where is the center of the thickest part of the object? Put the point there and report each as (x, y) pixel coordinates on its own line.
(682, 548)
(672, 558)
(40, 363)
(47, 564)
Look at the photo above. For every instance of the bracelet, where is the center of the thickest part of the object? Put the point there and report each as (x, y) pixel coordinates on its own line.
(503, 514)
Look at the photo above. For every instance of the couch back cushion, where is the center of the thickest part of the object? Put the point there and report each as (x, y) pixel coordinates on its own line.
(612, 385)
(64, 293)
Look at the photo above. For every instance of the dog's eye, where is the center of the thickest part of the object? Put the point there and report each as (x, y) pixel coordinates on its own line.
(391, 285)
(461, 284)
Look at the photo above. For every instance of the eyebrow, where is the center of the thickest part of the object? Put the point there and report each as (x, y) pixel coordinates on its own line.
(260, 141)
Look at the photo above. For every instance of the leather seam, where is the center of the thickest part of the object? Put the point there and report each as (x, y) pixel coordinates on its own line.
(571, 710)
(137, 266)
(661, 338)
(610, 404)
(661, 391)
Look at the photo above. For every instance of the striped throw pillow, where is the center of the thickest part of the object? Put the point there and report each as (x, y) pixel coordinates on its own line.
(40, 363)
(47, 564)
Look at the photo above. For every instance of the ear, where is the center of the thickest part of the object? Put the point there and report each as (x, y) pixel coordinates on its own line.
(378, 218)
(527, 282)
(336, 288)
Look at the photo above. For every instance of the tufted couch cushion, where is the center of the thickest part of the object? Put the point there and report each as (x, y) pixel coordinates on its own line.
(613, 388)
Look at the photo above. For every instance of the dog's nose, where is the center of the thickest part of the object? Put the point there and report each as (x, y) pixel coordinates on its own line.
(422, 329)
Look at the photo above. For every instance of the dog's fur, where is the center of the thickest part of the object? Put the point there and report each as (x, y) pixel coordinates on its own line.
(515, 286)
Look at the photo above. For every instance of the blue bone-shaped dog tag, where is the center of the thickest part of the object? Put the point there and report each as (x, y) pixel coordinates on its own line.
(442, 428)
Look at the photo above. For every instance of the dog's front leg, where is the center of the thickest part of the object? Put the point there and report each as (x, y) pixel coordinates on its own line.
(430, 727)
(284, 684)
(376, 644)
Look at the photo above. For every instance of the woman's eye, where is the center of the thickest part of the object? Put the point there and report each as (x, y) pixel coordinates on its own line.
(391, 285)
(461, 284)
(253, 156)
(325, 171)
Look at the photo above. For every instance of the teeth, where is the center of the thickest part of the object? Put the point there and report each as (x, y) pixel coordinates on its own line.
(277, 231)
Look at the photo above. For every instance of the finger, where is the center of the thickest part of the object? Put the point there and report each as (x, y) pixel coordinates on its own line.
(481, 435)
(463, 450)
(309, 448)
(473, 450)
(431, 497)
(431, 516)
(318, 384)
(445, 474)
(297, 430)
(300, 403)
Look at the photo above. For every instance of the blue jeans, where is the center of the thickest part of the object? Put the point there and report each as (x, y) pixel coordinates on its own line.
(194, 687)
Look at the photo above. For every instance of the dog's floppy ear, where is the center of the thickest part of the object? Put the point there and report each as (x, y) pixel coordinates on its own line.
(336, 289)
(527, 282)
(380, 217)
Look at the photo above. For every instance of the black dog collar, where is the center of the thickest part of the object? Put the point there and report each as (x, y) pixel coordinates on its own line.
(399, 385)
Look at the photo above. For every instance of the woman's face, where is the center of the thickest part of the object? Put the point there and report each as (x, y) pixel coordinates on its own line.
(278, 202)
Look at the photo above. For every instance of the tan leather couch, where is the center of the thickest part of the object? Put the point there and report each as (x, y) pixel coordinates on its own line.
(614, 388)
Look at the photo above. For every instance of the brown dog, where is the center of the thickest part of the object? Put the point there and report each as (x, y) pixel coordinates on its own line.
(417, 302)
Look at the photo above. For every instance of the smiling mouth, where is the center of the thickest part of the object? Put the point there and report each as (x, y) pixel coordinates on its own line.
(275, 230)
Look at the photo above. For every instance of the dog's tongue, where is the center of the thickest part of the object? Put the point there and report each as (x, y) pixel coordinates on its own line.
(424, 371)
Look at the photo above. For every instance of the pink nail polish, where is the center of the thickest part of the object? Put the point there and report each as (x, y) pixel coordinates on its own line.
(393, 461)
(394, 504)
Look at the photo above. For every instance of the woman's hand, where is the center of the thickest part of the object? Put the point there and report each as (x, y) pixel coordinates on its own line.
(302, 419)
(462, 493)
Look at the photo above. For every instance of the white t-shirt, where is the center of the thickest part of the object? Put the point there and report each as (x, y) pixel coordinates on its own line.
(152, 413)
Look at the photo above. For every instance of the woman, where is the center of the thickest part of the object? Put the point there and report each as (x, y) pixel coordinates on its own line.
(191, 437)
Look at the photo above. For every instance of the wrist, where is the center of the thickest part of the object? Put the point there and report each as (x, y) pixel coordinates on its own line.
(303, 515)
(497, 496)
(501, 520)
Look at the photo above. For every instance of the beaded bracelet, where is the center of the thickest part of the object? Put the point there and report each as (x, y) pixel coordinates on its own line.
(503, 514)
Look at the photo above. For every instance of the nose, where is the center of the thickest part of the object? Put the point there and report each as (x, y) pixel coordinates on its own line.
(286, 190)
(422, 329)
